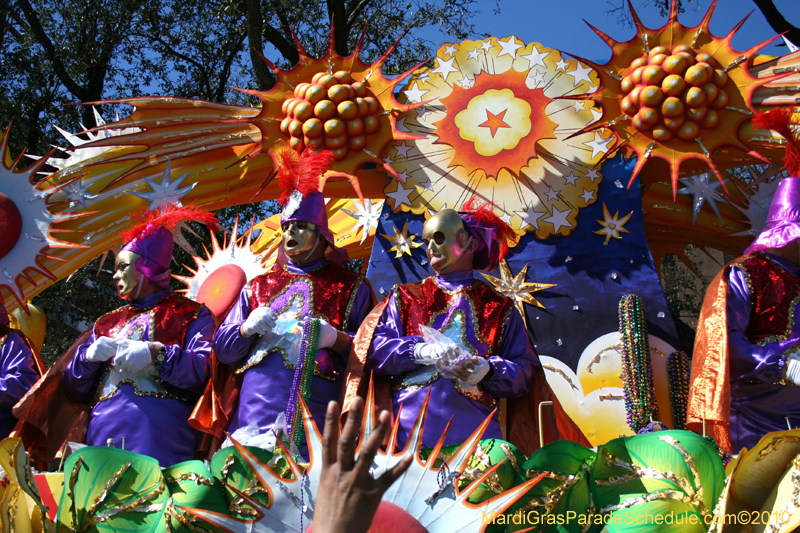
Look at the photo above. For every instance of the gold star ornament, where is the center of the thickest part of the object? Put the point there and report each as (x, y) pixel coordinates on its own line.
(516, 288)
(403, 242)
(612, 226)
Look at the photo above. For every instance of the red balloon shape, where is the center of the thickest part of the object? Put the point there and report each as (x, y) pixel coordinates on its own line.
(221, 289)
(10, 224)
(390, 519)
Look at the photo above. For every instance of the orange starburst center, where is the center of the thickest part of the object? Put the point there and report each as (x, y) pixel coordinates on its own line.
(674, 93)
(494, 122)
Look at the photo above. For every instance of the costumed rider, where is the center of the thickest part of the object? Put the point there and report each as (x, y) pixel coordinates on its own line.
(746, 362)
(145, 364)
(20, 367)
(477, 350)
(289, 333)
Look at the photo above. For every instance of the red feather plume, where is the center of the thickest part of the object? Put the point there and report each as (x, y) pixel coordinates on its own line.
(301, 172)
(485, 214)
(149, 221)
(780, 121)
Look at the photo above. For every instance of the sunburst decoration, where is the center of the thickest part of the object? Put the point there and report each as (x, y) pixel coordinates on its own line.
(516, 288)
(418, 491)
(612, 226)
(32, 240)
(492, 123)
(402, 241)
(679, 94)
(235, 251)
(366, 215)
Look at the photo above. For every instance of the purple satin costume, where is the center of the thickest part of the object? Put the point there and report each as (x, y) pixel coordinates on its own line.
(758, 405)
(152, 426)
(17, 375)
(266, 385)
(392, 354)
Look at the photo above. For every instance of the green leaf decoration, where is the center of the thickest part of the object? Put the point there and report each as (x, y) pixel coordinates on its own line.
(562, 500)
(675, 477)
(191, 484)
(228, 467)
(111, 490)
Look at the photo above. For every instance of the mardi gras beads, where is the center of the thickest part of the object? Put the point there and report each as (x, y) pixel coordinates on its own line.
(637, 374)
(301, 383)
(678, 375)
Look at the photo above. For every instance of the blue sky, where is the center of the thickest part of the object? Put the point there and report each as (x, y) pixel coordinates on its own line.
(559, 23)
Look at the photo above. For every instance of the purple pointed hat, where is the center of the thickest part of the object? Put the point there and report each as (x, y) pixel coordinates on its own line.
(153, 239)
(783, 220)
(492, 234)
(301, 199)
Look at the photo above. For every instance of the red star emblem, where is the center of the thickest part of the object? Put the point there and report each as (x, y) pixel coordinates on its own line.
(494, 122)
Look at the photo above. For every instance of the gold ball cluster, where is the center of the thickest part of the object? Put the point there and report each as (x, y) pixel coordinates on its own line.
(675, 93)
(333, 112)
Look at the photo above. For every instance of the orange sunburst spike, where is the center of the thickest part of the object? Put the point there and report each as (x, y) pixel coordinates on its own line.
(640, 162)
(728, 38)
(359, 44)
(418, 429)
(439, 445)
(635, 16)
(272, 66)
(304, 57)
(606, 38)
(673, 12)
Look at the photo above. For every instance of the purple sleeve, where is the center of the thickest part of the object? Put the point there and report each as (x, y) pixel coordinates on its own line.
(749, 361)
(186, 366)
(17, 371)
(391, 353)
(229, 346)
(517, 362)
(79, 379)
(362, 305)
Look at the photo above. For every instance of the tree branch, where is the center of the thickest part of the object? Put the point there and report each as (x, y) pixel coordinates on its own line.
(778, 21)
(226, 69)
(50, 51)
(253, 16)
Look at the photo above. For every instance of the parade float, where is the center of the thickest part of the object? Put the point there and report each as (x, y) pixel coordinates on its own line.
(600, 170)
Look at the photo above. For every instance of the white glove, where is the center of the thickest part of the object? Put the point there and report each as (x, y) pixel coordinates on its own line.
(260, 322)
(132, 356)
(478, 372)
(428, 353)
(101, 350)
(327, 335)
(793, 370)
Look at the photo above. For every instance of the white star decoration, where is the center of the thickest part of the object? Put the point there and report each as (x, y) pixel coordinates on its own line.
(599, 144)
(592, 174)
(578, 106)
(572, 178)
(587, 196)
(505, 217)
(702, 190)
(426, 185)
(366, 216)
(537, 77)
(529, 217)
(559, 219)
(580, 74)
(423, 112)
(415, 93)
(536, 57)
(612, 225)
(509, 47)
(424, 77)
(562, 65)
(445, 68)
(551, 194)
(167, 192)
(466, 82)
(473, 54)
(402, 150)
(400, 196)
(76, 193)
(486, 46)
(450, 49)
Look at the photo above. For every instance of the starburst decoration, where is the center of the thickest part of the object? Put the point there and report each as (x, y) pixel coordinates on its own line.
(403, 242)
(516, 289)
(679, 94)
(366, 215)
(236, 251)
(504, 135)
(612, 226)
(702, 191)
(438, 506)
(168, 191)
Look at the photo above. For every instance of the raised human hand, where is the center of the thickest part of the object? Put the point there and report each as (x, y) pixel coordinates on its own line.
(348, 495)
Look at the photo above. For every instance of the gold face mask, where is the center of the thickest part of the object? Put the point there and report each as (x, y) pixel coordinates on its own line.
(300, 240)
(447, 240)
(126, 277)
